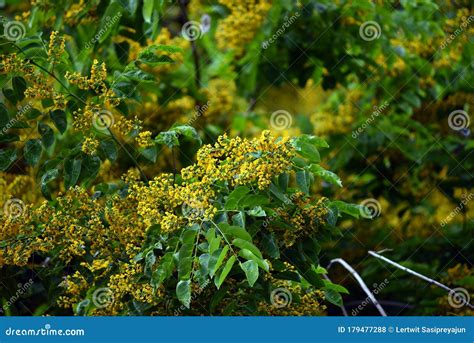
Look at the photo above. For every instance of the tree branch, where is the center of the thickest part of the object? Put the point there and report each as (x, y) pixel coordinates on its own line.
(418, 275)
(361, 283)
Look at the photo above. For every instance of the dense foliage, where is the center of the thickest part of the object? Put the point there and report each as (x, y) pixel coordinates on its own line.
(182, 157)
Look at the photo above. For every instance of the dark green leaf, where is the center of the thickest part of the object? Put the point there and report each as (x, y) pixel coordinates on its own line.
(60, 120)
(7, 157)
(72, 170)
(33, 151)
(47, 134)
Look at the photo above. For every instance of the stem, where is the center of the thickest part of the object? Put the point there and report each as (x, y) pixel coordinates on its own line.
(418, 275)
(228, 243)
(361, 283)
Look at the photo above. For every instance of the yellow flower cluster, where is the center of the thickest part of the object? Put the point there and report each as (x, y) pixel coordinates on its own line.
(240, 26)
(74, 286)
(74, 224)
(95, 82)
(39, 88)
(293, 300)
(56, 47)
(452, 278)
(305, 219)
(240, 161)
(90, 145)
(232, 161)
(124, 283)
(144, 139)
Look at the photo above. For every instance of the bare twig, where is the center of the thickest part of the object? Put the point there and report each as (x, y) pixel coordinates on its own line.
(412, 272)
(361, 283)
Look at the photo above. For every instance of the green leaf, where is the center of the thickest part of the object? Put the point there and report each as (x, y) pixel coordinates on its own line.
(235, 232)
(109, 149)
(326, 175)
(183, 292)
(235, 196)
(72, 170)
(332, 296)
(150, 56)
(350, 209)
(270, 245)
(33, 151)
(171, 138)
(32, 113)
(110, 20)
(225, 271)
(320, 270)
(47, 134)
(214, 241)
(90, 168)
(59, 119)
(335, 287)
(8, 137)
(7, 157)
(253, 200)
(147, 10)
(47, 177)
(251, 271)
(303, 180)
(4, 117)
(307, 146)
(19, 87)
(242, 244)
(164, 270)
(248, 255)
(216, 259)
